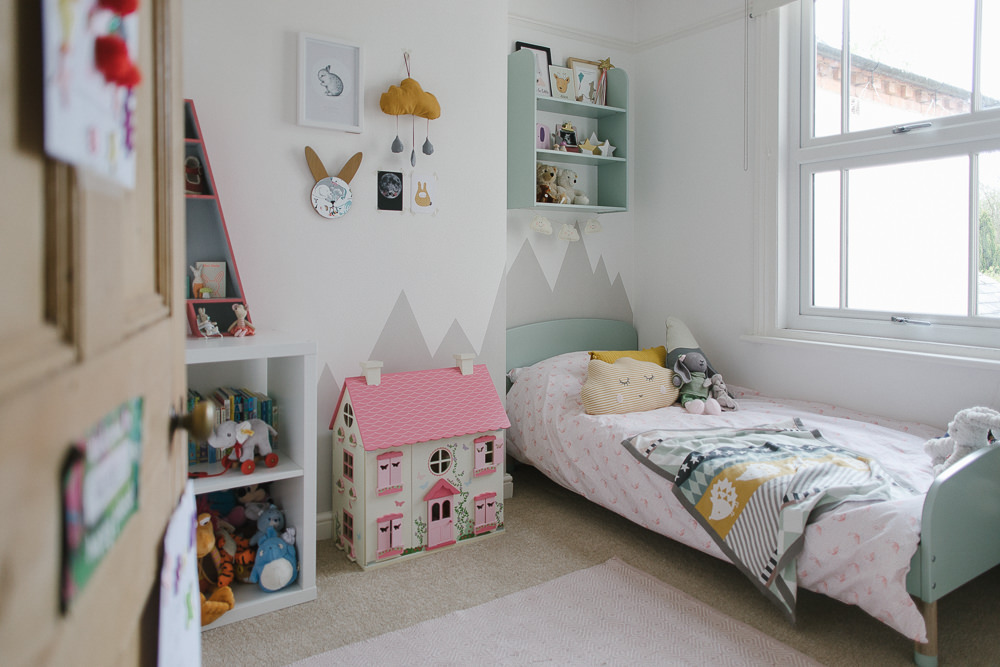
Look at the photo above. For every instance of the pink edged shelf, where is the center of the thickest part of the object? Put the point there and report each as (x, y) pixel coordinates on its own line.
(207, 238)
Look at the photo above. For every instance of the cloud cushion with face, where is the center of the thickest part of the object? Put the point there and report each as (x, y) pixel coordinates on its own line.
(627, 385)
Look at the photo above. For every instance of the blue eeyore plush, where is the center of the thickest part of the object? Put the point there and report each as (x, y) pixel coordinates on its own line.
(275, 565)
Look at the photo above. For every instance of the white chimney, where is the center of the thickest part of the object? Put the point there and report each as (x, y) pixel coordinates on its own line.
(373, 372)
(464, 362)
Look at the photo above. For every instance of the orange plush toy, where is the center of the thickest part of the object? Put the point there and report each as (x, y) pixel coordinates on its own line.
(212, 570)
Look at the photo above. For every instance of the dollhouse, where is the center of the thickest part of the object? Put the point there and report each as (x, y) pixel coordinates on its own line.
(417, 461)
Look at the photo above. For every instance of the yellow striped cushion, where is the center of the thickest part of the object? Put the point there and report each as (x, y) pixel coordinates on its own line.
(628, 385)
(657, 355)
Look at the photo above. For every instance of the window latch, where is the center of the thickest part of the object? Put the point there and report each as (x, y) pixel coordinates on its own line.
(903, 129)
(907, 320)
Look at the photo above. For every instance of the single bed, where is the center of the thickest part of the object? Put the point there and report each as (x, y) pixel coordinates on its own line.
(874, 555)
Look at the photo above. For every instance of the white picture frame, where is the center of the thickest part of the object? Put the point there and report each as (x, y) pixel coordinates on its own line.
(331, 83)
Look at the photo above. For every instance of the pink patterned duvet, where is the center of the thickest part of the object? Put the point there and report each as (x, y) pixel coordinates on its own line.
(858, 553)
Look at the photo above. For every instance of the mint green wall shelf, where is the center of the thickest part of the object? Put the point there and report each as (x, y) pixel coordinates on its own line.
(523, 107)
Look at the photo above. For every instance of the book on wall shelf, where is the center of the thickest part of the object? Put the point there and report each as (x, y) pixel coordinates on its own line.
(213, 281)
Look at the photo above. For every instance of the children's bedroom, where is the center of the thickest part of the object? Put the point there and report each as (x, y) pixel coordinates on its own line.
(563, 332)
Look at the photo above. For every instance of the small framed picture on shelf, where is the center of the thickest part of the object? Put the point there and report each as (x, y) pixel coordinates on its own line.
(561, 80)
(543, 58)
(585, 79)
(331, 83)
(567, 138)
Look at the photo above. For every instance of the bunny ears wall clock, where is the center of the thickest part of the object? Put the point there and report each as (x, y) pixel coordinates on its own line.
(408, 98)
(331, 195)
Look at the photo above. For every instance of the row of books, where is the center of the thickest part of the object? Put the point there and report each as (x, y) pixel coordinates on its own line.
(236, 404)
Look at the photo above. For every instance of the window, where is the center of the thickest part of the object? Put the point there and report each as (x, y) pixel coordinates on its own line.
(484, 463)
(893, 171)
(348, 415)
(389, 472)
(348, 527)
(485, 512)
(348, 465)
(440, 461)
(390, 535)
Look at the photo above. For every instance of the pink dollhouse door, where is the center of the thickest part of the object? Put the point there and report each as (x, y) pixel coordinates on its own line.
(440, 525)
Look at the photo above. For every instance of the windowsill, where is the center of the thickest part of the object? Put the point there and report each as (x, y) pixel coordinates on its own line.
(975, 357)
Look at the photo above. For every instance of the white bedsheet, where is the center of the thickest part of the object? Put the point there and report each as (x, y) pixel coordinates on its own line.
(858, 553)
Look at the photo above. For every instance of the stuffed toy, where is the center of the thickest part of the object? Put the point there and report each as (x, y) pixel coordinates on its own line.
(691, 378)
(241, 327)
(224, 505)
(720, 392)
(254, 499)
(275, 565)
(545, 184)
(566, 186)
(971, 429)
(214, 573)
(271, 518)
(206, 327)
(243, 438)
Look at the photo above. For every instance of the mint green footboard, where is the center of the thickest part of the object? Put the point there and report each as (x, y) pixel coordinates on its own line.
(959, 537)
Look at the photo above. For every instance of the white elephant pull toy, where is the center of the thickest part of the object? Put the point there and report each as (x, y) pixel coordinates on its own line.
(245, 438)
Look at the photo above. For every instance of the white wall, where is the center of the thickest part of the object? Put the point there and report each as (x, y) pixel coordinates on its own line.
(695, 249)
(337, 282)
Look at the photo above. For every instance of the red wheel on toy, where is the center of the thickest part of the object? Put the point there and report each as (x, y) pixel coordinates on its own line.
(271, 460)
(248, 467)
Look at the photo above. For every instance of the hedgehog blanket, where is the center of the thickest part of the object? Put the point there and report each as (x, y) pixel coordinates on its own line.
(754, 490)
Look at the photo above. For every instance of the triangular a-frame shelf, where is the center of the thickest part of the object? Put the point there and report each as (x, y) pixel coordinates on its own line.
(207, 238)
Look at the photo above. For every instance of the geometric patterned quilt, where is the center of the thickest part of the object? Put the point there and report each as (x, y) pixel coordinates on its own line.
(754, 490)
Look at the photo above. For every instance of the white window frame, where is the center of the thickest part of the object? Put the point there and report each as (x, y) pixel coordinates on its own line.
(786, 157)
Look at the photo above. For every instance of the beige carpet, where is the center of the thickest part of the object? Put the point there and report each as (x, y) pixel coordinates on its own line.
(606, 614)
(551, 532)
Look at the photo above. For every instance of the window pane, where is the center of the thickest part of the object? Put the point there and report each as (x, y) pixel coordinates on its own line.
(826, 239)
(910, 60)
(989, 74)
(988, 293)
(829, 20)
(908, 239)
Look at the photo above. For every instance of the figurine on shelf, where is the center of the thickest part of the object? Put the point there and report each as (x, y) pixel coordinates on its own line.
(197, 282)
(207, 327)
(241, 327)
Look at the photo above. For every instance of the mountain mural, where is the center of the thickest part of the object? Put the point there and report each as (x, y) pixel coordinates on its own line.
(402, 347)
(578, 291)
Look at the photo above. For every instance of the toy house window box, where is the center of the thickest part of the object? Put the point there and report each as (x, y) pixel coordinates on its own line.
(389, 473)
(484, 456)
(421, 483)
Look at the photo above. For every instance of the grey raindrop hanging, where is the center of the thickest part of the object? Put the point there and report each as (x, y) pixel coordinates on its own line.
(428, 147)
(397, 145)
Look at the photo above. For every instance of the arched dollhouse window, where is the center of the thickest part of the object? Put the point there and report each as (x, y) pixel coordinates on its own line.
(348, 415)
(440, 461)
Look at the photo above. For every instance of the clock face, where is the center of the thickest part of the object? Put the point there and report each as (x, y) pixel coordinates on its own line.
(331, 197)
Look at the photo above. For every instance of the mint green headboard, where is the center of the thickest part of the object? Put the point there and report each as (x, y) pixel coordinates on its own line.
(530, 343)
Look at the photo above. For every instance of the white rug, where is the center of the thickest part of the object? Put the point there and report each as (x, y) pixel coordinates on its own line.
(610, 614)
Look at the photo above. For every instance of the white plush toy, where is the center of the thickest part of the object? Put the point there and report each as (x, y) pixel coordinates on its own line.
(566, 185)
(971, 429)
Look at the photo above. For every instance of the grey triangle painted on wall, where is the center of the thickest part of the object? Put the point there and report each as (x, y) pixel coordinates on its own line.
(401, 346)
(579, 291)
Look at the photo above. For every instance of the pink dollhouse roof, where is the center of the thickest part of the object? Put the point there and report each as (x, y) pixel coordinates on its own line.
(420, 406)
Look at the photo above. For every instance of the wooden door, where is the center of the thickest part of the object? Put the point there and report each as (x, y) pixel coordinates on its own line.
(91, 316)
